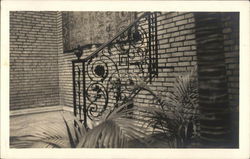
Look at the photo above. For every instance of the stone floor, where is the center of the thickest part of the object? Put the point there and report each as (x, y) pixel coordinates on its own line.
(26, 124)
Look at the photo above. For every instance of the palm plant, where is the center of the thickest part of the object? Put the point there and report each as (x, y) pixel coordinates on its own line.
(117, 130)
(176, 117)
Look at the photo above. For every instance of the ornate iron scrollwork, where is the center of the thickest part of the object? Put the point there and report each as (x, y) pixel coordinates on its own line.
(106, 72)
(97, 95)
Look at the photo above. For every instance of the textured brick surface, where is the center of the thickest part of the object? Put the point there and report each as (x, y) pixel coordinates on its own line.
(177, 54)
(176, 47)
(231, 49)
(33, 60)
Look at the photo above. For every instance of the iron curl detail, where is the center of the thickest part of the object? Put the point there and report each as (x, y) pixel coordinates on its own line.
(97, 95)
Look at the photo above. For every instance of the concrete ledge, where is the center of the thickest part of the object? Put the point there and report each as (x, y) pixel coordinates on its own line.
(40, 110)
(67, 108)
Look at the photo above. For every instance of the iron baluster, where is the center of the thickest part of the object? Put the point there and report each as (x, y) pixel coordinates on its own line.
(74, 88)
(79, 91)
(149, 49)
(84, 95)
(156, 46)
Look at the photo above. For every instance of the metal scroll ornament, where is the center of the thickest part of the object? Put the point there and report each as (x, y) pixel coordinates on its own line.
(107, 79)
(100, 72)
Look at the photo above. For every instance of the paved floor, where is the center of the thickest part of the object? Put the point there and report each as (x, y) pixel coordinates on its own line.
(27, 124)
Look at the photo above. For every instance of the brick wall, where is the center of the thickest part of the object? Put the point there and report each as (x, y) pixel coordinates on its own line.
(177, 54)
(231, 49)
(33, 59)
(177, 46)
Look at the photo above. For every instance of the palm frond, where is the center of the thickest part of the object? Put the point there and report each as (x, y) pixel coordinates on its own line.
(115, 131)
(55, 134)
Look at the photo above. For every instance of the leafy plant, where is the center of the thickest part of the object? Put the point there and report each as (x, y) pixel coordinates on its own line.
(176, 117)
(116, 130)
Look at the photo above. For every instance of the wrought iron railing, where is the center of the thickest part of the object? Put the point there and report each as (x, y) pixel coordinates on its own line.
(102, 81)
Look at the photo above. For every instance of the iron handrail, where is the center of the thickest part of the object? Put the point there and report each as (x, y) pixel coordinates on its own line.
(111, 40)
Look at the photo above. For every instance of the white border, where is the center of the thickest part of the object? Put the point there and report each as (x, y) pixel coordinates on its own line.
(241, 6)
